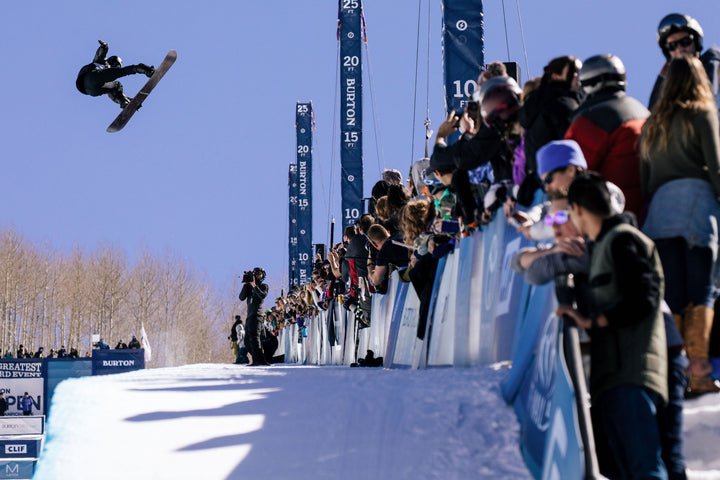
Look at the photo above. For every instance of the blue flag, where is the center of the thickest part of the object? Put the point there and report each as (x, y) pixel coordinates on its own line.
(303, 126)
(351, 154)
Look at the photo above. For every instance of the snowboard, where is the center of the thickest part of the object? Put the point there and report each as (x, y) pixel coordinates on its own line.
(138, 99)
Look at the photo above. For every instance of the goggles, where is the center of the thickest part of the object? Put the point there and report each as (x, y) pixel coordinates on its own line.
(557, 218)
(670, 23)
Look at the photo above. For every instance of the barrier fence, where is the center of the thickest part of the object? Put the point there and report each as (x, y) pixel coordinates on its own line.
(481, 312)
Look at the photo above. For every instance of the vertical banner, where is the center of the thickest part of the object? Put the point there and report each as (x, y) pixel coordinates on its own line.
(293, 274)
(351, 153)
(303, 126)
(463, 50)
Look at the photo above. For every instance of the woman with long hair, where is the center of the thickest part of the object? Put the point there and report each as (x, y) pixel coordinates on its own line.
(680, 170)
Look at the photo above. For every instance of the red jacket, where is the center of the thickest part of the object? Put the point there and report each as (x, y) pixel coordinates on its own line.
(607, 127)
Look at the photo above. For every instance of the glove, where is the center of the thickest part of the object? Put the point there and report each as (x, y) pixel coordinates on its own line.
(144, 69)
(103, 43)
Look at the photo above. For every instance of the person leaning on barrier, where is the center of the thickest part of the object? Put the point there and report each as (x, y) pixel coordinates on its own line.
(628, 378)
(570, 256)
(254, 291)
(391, 253)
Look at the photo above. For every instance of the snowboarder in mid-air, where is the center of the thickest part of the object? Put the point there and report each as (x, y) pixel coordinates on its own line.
(100, 76)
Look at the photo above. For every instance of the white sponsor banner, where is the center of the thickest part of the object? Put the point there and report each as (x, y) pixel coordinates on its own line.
(22, 425)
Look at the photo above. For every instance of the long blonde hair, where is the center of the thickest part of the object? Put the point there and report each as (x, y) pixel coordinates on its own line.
(686, 89)
(415, 216)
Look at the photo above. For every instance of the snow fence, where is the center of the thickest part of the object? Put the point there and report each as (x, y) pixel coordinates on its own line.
(481, 313)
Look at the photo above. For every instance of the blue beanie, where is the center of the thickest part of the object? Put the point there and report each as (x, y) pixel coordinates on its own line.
(557, 154)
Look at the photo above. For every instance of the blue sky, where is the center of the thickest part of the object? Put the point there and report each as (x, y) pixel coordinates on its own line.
(202, 167)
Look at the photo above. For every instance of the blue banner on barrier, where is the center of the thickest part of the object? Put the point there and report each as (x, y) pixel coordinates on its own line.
(540, 307)
(105, 362)
(564, 453)
(549, 419)
(59, 369)
(17, 469)
(20, 448)
(395, 320)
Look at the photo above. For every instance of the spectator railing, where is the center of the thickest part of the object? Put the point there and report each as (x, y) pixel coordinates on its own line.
(481, 313)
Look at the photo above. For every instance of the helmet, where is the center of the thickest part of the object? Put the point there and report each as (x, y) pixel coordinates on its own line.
(260, 271)
(114, 61)
(677, 22)
(499, 96)
(600, 72)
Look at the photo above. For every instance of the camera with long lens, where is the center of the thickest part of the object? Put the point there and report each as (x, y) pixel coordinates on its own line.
(248, 276)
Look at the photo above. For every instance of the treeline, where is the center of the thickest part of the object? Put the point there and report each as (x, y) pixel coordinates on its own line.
(51, 299)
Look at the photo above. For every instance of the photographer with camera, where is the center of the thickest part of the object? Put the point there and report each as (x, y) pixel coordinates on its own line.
(254, 291)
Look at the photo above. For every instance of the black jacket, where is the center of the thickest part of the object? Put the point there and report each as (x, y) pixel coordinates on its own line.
(255, 297)
(546, 116)
(471, 151)
(358, 254)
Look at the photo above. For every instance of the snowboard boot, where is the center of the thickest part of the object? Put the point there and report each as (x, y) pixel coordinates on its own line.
(119, 97)
(698, 323)
(145, 69)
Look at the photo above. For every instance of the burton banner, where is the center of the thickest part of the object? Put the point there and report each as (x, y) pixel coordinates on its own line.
(303, 126)
(293, 274)
(463, 50)
(351, 152)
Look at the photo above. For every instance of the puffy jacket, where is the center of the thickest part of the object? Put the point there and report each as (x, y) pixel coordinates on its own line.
(607, 127)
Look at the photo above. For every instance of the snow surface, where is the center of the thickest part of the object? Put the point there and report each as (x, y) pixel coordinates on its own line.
(213, 421)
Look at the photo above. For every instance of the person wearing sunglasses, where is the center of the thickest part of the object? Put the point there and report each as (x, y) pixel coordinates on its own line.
(537, 264)
(679, 35)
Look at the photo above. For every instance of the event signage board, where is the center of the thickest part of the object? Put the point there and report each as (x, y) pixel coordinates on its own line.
(22, 425)
(107, 362)
(17, 469)
(20, 447)
(20, 376)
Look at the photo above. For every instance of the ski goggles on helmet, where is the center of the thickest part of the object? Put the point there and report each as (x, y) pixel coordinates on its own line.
(683, 42)
(674, 22)
(557, 218)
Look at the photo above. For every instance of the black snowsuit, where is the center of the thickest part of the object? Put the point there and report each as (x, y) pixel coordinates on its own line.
(253, 324)
(99, 78)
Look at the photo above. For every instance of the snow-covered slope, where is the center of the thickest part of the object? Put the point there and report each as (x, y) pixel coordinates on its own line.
(281, 422)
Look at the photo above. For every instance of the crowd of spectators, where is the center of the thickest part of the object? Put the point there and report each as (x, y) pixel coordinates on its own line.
(62, 352)
(622, 198)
